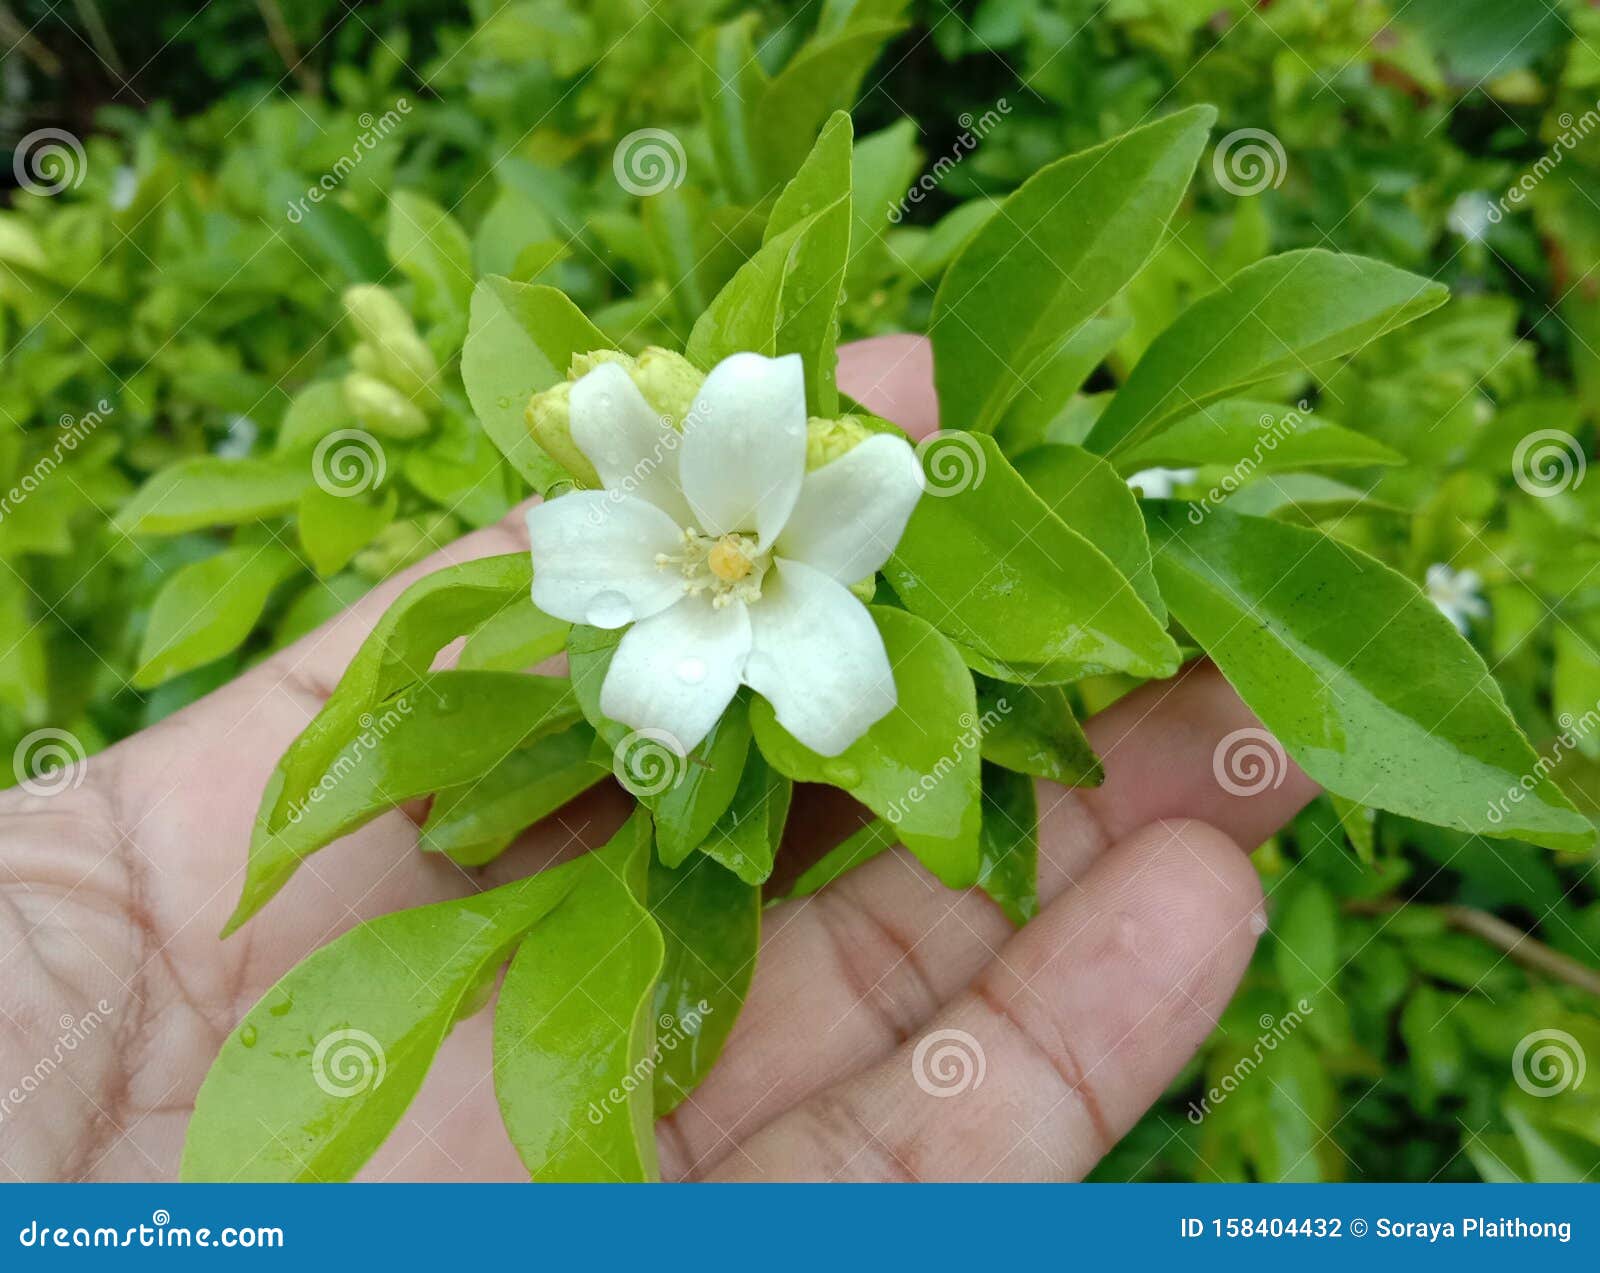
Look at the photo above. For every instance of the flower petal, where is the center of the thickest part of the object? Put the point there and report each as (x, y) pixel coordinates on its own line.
(852, 512)
(744, 445)
(676, 671)
(594, 558)
(817, 657)
(633, 449)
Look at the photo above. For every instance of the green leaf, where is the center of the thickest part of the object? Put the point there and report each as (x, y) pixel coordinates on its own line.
(207, 608)
(1063, 244)
(710, 921)
(337, 233)
(918, 766)
(745, 838)
(1085, 492)
(1281, 315)
(861, 847)
(476, 822)
(1365, 683)
(1059, 375)
(316, 411)
(1024, 595)
(882, 168)
(1010, 843)
(395, 656)
(1360, 825)
(573, 1030)
(210, 491)
(334, 528)
(321, 1069)
(1031, 729)
(515, 638)
(522, 339)
(821, 79)
(449, 728)
(731, 82)
(1256, 437)
(430, 248)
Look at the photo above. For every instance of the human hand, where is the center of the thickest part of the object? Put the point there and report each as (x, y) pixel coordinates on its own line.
(112, 893)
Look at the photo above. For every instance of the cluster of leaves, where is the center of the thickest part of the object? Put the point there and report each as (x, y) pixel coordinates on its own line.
(173, 284)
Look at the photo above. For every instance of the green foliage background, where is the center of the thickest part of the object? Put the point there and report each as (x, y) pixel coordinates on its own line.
(171, 282)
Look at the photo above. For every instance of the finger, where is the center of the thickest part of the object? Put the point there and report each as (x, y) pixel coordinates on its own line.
(892, 376)
(847, 975)
(1061, 1043)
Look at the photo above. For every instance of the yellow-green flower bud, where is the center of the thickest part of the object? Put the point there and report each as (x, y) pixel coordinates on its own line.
(668, 381)
(403, 357)
(549, 417)
(583, 364)
(364, 358)
(381, 408)
(827, 440)
(401, 544)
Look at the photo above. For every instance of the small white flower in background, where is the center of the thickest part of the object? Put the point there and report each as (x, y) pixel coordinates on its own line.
(1469, 215)
(1457, 593)
(1160, 483)
(239, 440)
(730, 560)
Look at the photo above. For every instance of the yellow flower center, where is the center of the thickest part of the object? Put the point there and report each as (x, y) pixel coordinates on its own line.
(727, 559)
(728, 568)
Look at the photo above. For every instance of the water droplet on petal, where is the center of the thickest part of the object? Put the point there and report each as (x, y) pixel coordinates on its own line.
(691, 671)
(609, 609)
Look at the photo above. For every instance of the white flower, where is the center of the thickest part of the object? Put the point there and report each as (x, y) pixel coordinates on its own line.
(731, 561)
(1471, 215)
(1458, 594)
(1160, 483)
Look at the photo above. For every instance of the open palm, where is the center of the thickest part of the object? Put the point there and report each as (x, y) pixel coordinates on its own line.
(112, 893)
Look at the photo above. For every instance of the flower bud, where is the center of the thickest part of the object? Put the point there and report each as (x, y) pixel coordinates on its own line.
(827, 440)
(668, 381)
(381, 408)
(549, 417)
(403, 357)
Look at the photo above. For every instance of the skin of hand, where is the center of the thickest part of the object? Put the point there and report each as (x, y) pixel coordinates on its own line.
(112, 893)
